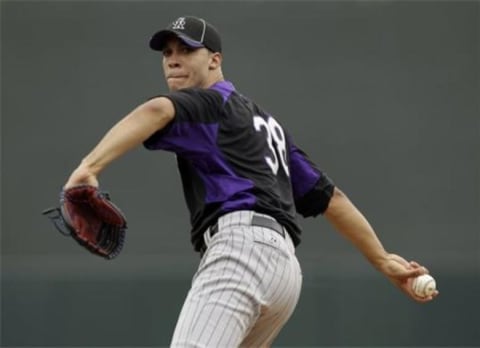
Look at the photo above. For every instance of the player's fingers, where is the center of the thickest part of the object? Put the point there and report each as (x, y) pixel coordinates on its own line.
(415, 264)
(423, 299)
(419, 267)
(426, 298)
(411, 272)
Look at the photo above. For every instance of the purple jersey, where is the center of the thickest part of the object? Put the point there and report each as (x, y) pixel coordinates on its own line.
(233, 155)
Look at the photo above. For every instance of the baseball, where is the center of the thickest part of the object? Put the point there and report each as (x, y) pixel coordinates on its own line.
(424, 285)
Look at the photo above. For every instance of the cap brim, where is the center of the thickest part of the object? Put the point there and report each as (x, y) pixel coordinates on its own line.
(159, 39)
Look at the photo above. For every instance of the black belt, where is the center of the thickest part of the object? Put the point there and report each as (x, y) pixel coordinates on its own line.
(257, 220)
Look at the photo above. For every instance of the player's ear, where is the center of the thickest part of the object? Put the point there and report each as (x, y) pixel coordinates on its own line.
(215, 60)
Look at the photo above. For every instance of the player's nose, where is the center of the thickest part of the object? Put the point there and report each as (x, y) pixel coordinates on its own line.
(173, 63)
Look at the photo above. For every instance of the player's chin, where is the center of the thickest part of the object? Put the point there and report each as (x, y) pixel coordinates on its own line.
(173, 87)
(177, 84)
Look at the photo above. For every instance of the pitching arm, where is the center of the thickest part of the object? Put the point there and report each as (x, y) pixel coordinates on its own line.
(351, 223)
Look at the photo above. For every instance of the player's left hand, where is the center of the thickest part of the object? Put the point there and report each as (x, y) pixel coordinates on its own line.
(401, 273)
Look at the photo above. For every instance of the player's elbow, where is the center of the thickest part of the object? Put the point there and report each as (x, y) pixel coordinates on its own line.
(160, 110)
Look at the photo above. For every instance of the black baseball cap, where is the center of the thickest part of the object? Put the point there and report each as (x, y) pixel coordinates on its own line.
(193, 31)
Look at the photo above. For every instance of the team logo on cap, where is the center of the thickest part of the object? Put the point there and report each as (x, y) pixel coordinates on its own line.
(179, 24)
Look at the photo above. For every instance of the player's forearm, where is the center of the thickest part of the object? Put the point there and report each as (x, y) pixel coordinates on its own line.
(351, 223)
(128, 133)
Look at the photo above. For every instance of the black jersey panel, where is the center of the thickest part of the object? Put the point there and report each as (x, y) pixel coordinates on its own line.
(316, 201)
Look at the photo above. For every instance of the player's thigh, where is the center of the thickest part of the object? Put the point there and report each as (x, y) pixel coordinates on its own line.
(223, 301)
(209, 323)
(281, 298)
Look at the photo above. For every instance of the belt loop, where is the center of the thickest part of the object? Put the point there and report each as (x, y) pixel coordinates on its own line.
(207, 237)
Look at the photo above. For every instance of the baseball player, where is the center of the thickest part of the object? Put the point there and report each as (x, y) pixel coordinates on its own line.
(244, 182)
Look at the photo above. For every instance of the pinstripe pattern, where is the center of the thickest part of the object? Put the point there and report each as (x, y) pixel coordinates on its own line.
(246, 287)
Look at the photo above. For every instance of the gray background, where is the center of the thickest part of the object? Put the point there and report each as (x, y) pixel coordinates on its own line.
(382, 95)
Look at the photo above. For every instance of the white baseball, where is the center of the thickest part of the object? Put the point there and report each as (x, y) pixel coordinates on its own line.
(424, 285)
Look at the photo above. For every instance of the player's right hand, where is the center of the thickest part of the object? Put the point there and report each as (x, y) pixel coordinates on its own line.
(81, 176)
(401, 273)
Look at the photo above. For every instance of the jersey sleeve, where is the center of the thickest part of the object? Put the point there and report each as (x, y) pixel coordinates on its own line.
(196, 113)
(312, 188)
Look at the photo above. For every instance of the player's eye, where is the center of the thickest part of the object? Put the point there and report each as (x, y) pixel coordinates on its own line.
(167, 52)
(186, 49)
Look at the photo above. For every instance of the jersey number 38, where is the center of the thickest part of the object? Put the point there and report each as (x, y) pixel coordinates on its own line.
(276, 142)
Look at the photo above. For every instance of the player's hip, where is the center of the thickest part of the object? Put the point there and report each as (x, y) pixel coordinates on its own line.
(254, 259)
(247, 225)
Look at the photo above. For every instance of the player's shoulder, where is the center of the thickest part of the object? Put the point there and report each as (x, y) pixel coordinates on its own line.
(199, 93)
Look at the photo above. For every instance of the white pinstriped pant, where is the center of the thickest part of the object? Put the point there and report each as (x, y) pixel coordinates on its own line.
(246, 287)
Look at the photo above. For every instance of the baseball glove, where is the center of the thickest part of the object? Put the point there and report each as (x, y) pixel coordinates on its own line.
(88, 215)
